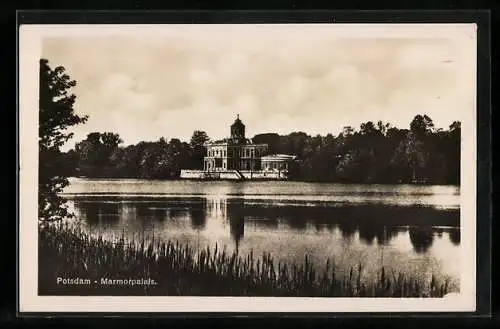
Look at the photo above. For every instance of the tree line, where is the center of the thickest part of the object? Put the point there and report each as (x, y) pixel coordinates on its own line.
(102, 155)
(376, 153)
(372, 153)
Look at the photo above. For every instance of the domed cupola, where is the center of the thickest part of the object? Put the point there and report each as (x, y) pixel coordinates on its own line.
(238, 131)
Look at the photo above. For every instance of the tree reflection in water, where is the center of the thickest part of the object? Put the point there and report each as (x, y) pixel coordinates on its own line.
(98, 212)
(299, 224)
(421, 239)
(386, 235)
(454, 235)
(140, 216)
(368, 233)
(198, 216)
(263, 223)
(347, 229)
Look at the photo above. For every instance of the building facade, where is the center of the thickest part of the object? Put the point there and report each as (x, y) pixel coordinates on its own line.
(276, 162)
(238, 158)
(234, 153)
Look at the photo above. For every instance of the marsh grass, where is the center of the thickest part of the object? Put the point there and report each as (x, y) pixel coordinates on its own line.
(181, 270)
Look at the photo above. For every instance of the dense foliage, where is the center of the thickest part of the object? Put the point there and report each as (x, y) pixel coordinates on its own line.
(56, 115)
(374, 153)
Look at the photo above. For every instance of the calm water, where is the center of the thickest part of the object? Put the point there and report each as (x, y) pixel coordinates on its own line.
(405, 228)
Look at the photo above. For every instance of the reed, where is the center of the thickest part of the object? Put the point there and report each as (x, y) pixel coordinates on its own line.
(179, 269)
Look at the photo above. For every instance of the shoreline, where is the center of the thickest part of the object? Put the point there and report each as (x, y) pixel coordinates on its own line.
(279, 181)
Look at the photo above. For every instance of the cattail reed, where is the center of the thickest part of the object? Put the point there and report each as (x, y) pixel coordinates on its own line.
(180, 269)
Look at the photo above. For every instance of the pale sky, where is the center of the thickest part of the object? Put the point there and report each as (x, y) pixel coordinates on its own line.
(280, 79)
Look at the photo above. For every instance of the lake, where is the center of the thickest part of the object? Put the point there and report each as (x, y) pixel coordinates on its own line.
(407, 228)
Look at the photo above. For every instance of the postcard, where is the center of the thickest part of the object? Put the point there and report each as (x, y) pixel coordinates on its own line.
(247, 168)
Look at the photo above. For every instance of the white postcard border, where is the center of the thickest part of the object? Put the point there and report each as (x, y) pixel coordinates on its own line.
(30, 46)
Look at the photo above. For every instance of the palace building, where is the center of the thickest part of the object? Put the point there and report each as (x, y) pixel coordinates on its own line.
(237, 157)
(234, 153)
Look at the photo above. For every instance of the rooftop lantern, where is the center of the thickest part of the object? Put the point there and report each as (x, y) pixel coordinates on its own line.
(238, 131)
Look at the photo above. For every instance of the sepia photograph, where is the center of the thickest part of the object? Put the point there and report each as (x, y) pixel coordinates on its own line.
(296, 167)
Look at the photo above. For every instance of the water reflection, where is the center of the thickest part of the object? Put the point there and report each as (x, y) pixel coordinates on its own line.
(362, 224)
(235, 216)
(198, 219)
(454, 235)
(347, 229)
(100, 213)
(382, 235)
(259, 223)
(421, 239)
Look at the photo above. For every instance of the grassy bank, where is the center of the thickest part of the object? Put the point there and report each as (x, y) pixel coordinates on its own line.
(177, 269)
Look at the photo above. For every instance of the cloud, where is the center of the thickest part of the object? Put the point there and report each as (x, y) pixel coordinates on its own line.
(144, 88)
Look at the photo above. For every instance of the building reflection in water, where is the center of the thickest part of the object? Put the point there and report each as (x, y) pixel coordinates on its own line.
(229, 211)
(236, 220)
(216, 207)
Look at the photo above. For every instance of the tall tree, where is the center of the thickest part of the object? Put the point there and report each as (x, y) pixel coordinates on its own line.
(95, 152)
(271, 139)
(411, 152)
(110, 141)
(56, 115)
(421, 125)
(89, 150)
(198, 140)
(455, 135)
